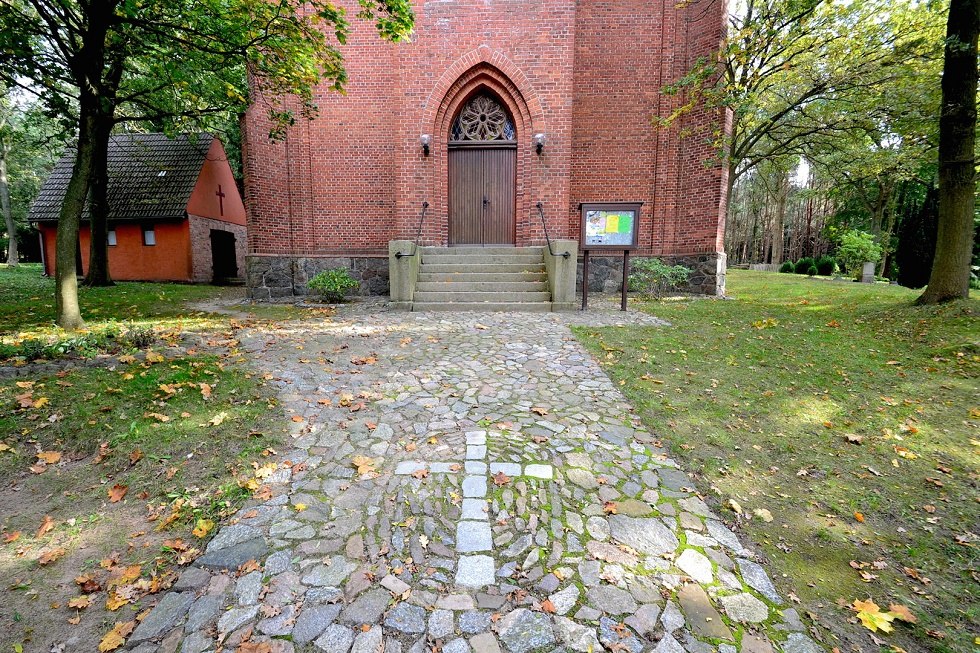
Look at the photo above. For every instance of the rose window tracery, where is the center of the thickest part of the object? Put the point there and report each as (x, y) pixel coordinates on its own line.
(483, 119)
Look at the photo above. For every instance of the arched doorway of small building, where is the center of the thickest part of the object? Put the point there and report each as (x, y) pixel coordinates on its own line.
(482, 173)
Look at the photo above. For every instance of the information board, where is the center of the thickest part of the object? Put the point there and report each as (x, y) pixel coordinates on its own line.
(610, 225)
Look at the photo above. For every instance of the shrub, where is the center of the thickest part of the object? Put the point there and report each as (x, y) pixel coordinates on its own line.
(803, 265)
(855, 248)
(787, 267)
(812, 270)
(653, 277)
(826, 265)
(333, 285)
(140, 337)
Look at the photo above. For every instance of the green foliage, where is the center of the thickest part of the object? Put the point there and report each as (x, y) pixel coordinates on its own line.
(855, 248)
(787, 267)
(333, 285)
(811, 271)
(653, 277)
(826, 265)
(803, 265)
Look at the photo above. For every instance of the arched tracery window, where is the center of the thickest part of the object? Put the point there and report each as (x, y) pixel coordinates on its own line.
(483, 118)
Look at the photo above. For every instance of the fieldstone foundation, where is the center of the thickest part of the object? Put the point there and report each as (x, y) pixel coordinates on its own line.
(707, 276)
(275, 277)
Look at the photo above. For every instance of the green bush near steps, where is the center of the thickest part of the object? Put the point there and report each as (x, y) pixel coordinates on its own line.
(333, 285)
(654, 278)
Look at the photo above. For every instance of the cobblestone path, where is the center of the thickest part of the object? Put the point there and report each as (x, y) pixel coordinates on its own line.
(507, 501)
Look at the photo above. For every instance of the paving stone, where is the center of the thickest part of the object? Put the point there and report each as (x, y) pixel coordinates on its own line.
(582, 478)
(576, 636)
(615, 637)
(633, 508)
(474, 509)
(522, 630)
(745, 608)
(700, 614)
(755, 644)
(587, 613)
(335, 639)
(278, 562)
(234, 556)
(281, 624)
(474, 621)
(611, 600)
(248, 587)
(669, 645)
(406, 618)
(475, 487)
(312, 621)
(473, 536)
(644, 620)
(232, 619)
(196, 642)
(440, 624)
(757, 578)
(509, 469)
(695, 565)
(202, 612)
(475, 571)
(457, 645)
(800, 643)
(672, 618)
(565, 600)
(720, 532)
(539, 471)
(647, 536)
(171, 607)
(192, 578)
(611, 553)
(517, 547)
(484, 643)
(455, 602)
(370, 641)
(367, 609)
(232, 535)
(597, 527)
(395, 585)
(331, 575)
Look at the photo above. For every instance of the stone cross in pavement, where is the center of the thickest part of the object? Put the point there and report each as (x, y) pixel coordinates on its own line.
(473, 534)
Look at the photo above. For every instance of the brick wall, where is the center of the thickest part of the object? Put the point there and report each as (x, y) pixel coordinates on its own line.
(587, 74)
(201, 261)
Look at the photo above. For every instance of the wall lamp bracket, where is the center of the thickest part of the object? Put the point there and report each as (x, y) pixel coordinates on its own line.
(425, 140)
(539, 143)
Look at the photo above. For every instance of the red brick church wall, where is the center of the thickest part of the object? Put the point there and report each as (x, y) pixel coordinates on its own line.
(586, 74)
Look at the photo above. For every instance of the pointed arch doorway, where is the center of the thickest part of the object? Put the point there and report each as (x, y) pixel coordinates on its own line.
(482, 173)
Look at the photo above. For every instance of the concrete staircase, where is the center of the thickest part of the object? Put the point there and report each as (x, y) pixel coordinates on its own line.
(482, 279)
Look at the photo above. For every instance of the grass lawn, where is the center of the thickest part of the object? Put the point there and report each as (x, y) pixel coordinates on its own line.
(838, 427)
(117, 474)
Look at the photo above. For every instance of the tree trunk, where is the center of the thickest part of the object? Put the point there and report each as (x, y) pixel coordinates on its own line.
(950, 277)
(98, 260)
(69, 315)
(5, 206)
(778, 232)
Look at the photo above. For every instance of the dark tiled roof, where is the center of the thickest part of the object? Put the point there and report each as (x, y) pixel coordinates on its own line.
(150, 176)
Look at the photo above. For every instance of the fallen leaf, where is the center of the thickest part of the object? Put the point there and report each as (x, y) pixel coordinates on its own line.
(51, 555)
(859, 517)
(153, 357)
(872, 617)
(8, 538)
(420, 473)
(114, 601)
(903, 613)
(763, 514)
(46, 525)
(49, 457)
(297, 418)
(548, 606)
(80, 602)
(363, 464)
(203, 527)
(117, 492)
(218, 419)
(735, 506)
(610, 507)
(500, 479)
(540, 411)
(117, 636)
(135, 456)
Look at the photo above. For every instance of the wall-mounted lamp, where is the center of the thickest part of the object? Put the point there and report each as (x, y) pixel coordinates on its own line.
(425, 140)
(538, 143)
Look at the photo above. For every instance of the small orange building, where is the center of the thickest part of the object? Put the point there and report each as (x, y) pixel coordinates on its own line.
(175, 213)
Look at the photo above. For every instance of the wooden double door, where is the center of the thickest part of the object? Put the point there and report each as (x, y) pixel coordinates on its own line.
(482, 195)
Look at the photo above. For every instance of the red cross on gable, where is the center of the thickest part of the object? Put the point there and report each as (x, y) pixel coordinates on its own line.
(221, 200)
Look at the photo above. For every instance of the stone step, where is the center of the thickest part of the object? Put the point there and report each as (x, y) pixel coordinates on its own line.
(495, 307)
(456, 268)
(482, 277)
(510, 297)
(481, 285)
(490, 250)
(467, 260)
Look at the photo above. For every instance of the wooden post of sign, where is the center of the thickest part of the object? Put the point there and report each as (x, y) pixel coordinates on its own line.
(585, 279)
(626, 277)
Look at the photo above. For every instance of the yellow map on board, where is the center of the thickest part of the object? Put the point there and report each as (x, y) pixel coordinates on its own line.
(612, 224)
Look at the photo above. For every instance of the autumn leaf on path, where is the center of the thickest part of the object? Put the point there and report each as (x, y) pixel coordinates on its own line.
(46, 525)
(218, 419)
(363, 464)
(203, 527)
(872, 617)
(539, 410)
(49, 457)
(500, 479)
(610, 508)
(420, 473)
(135, 456)
(80, 602)
(117, 492)
(51, 555)
(153, 357)
(117, 636)
(9, 538)
(903, 613)
(548, 607)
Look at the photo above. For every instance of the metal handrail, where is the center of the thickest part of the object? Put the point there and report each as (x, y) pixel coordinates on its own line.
(418, 234)
(544, 223)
